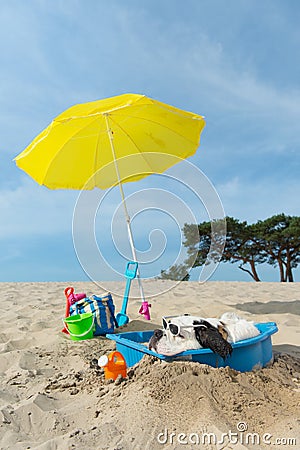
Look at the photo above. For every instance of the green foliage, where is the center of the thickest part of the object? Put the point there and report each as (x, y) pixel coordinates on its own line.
(176, 272)
(280, 237)
(275, 241)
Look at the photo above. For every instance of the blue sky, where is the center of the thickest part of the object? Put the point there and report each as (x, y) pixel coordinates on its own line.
(235, 62)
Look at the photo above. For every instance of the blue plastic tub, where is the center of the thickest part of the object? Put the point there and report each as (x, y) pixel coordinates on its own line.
(247, 355)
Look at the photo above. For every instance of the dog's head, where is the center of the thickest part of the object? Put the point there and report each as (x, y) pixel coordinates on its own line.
(176, 336)
(190, 333)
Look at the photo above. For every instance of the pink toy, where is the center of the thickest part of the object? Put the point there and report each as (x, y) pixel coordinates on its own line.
(71, 299)
(144, 310)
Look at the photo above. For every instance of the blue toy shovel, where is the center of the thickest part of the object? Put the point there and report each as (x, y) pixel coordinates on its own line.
(130, 274)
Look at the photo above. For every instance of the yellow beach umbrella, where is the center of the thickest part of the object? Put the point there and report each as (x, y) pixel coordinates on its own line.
(86, 146)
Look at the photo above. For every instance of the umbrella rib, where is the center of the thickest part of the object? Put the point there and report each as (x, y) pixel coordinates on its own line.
(95, 158)
(115, 112)
(58, 150)
(94, 114)
(156, 123)
(152, 121)
(130, 138)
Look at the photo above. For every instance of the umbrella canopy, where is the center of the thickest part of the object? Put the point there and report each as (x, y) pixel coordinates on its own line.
(109, 142)
(75, 151)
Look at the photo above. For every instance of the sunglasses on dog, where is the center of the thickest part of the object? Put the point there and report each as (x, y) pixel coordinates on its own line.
(173, 327)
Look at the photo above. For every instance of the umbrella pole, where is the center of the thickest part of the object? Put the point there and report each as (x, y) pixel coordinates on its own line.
(130, 235)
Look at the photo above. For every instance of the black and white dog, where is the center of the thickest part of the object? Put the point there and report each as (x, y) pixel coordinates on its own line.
(187, 332)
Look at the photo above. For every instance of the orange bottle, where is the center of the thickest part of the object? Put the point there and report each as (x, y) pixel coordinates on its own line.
(114, 365)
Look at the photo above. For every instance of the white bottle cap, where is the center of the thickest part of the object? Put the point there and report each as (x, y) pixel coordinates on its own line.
(103, 361)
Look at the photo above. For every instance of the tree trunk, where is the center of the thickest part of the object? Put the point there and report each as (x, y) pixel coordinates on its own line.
(253, 268)
(253, 272)
(289, 273)
(290, 276)
(281, 270)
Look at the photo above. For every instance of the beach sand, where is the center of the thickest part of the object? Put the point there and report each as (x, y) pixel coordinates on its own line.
(53, 398)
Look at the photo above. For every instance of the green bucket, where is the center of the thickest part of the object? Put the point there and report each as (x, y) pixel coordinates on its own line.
(80, 326)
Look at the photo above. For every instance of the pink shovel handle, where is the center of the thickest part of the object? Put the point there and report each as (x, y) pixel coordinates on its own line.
(144, 310)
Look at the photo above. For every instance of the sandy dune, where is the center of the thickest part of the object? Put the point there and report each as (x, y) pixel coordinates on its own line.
(53, 397)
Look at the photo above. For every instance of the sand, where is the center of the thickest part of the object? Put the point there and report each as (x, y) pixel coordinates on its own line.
(54, 397)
